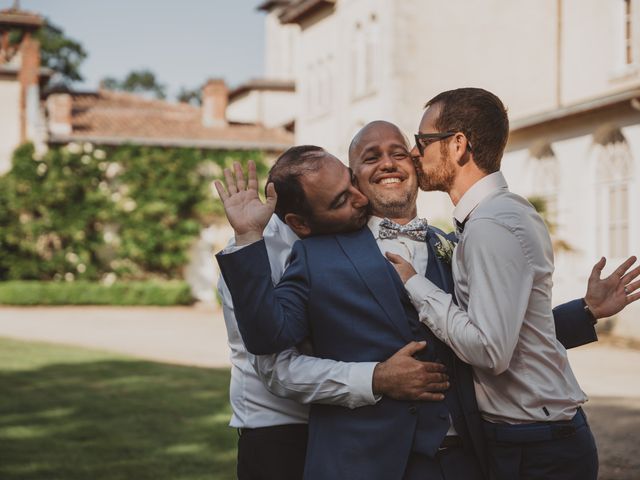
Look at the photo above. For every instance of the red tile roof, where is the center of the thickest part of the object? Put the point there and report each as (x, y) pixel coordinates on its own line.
(112, 118)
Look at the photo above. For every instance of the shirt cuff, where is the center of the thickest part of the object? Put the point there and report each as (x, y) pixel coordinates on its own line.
(418, 288)
(233, 248)
(361, 384)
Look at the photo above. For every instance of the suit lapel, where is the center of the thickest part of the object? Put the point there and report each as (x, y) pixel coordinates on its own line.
(362, 251)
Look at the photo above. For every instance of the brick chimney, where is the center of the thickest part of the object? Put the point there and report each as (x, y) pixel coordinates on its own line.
(59, 109)
(215, 97)
(28, 77)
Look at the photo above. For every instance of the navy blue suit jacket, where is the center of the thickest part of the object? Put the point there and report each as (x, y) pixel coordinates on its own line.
(339, 291)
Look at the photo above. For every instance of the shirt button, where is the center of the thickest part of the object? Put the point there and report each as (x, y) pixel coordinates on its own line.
(413, 410)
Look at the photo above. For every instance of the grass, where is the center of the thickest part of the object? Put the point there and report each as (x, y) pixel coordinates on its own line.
(69, 413)
(93, 293)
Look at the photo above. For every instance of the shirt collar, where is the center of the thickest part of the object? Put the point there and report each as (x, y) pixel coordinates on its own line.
(478, 192)
(281, 230)
(374, 225)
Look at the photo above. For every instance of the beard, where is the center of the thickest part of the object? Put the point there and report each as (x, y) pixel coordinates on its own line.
(393, 206)
(437, 176)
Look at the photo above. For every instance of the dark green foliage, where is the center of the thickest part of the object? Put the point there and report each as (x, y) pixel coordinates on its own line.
(137, 81)
(60, 53)
(75, 414)
(84, 213)
(191, 96)
(165, 293)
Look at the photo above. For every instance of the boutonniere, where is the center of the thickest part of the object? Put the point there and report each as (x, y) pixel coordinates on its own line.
(444, 248)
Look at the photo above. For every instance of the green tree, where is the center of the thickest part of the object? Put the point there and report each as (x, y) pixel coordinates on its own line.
(137, 81)
(192, 96)
(61, 54)
(58, 52)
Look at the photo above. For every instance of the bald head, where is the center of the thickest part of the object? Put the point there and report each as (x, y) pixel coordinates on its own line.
(380, 160)
(372, 130)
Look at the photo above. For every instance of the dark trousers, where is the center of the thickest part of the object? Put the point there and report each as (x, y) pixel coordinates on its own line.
(520, 452)
(271, 453)
(455, 463)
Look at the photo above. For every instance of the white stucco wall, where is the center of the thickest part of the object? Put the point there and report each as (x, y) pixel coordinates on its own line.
(593, 51)
(270, 108)
(244, 108)
(536, 55)
(9, 121)
(281, 47)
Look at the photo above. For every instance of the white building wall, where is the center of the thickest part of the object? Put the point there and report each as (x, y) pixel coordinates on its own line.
(593, 51)
(277, 108)
(536, 55)
(244, 108)
(269, 108)
(9, 121)
(281, 47)
(505, 47)
(332, 106)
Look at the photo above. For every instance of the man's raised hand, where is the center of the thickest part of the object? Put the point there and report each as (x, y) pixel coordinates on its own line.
(608, 296)
(246, 213)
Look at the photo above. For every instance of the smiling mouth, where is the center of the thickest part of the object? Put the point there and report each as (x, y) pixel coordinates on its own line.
(388, 181)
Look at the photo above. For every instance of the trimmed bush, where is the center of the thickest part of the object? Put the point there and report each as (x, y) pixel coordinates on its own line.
(90, 293)
(84, 213)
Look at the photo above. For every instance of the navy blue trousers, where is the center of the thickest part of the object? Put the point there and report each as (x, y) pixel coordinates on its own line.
(570, 457)
(450, 464)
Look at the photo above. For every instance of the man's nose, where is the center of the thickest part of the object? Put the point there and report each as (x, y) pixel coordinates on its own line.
(358, 199)
(388, 163)
(415, 153)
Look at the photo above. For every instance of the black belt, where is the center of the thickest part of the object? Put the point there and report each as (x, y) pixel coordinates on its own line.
(534, 432)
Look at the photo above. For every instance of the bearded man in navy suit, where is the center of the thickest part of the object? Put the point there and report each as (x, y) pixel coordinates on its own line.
(340, 292)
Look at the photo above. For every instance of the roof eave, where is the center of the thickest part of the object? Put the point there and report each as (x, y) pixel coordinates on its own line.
(207, 144)
(297, 13)
(575, 109)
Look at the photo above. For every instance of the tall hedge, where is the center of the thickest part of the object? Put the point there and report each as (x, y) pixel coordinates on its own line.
(79, 212)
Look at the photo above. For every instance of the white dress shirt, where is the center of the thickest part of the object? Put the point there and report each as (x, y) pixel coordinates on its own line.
(504, 327)
(299, 378)
(415, 252)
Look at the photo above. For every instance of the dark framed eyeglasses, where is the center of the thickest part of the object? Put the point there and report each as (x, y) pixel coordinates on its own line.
(423, 140)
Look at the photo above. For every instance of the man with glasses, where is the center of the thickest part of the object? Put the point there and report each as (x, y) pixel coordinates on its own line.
(382, 166)
(500, 319)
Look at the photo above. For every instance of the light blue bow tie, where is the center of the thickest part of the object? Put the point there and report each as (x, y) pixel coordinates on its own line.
(416, 229)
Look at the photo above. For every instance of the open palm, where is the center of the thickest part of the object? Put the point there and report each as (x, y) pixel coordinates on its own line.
(246, 213)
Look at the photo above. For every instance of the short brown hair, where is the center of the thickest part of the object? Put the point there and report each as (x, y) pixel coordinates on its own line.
(285, 176)
(481, 116)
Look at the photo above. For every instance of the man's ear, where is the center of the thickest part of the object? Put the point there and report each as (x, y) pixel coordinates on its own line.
(298, 224)
(461, 149)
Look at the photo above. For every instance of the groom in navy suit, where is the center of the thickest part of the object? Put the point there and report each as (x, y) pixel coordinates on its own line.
(340, 292)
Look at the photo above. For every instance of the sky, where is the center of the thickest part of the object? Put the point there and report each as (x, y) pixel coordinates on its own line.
(183, 42)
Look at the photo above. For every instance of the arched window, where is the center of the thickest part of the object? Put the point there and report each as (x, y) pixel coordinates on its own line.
(614, 164)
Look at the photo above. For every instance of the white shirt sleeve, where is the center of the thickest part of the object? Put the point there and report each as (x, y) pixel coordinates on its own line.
(307, 379)
(500, 279)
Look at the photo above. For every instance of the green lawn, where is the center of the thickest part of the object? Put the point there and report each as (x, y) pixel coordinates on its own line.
(70, 413)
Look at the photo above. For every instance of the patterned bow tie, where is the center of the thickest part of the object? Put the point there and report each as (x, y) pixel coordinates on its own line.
(416, 229)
